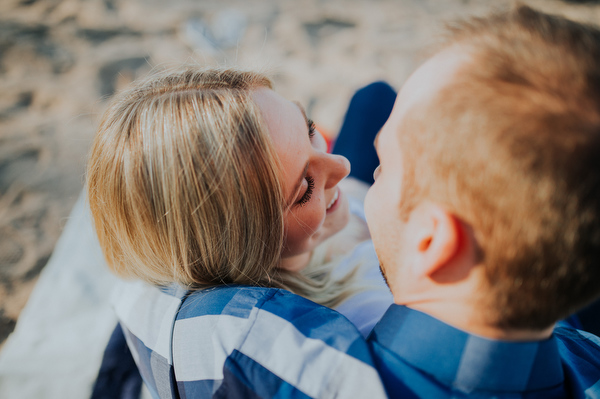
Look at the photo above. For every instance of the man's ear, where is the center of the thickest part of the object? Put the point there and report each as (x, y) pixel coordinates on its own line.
(436, 238)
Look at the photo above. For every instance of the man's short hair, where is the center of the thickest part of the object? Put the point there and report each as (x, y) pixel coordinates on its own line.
(512, 147)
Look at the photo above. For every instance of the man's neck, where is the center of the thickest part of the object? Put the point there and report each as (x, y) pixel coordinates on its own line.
(464, 317)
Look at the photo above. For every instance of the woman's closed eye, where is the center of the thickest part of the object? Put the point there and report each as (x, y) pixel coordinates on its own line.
(309, 191)
(311, 128)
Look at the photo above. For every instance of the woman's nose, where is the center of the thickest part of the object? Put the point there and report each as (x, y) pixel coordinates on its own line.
(337, 168)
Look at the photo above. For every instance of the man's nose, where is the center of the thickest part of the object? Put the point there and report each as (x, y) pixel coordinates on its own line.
(376, 172)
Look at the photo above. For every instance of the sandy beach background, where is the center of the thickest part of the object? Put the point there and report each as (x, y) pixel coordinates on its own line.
(61, 60)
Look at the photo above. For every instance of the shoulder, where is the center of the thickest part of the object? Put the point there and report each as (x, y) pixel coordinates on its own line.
(147, 312)
(270, 343)
(578, 343)
(580, 355)
(257, 312)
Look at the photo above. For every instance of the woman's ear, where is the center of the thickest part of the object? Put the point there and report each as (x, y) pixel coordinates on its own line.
(436, 238)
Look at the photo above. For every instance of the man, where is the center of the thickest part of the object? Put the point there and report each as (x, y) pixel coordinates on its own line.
(485, 214)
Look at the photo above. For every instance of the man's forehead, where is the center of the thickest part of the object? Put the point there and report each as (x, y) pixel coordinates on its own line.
(420, 89)
(431, 77)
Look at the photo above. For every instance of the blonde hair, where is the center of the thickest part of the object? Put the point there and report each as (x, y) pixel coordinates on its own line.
(183, 185)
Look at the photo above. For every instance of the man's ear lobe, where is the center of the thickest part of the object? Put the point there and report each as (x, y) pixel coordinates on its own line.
(437, 239)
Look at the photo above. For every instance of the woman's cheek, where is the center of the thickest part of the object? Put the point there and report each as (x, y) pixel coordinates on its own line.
(295, 238)
(299, 230)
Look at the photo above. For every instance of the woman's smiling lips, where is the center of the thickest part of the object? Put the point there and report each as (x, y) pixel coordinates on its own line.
(334, 201)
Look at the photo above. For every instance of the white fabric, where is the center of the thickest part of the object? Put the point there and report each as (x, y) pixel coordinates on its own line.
(134, 295)
(365, 308)
(204, 329)
(59, 339)
(592, 392)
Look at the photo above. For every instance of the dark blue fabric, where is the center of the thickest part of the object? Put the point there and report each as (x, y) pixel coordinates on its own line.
(224, 303)
(196, 389)
(368, 111)
(118, 376)
(420, 356)
(581, 360)
(318, 323)
(589, 318)
(237, 383)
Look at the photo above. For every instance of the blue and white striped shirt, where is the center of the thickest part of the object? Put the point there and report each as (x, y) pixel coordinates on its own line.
(237, 341)
(419, 356)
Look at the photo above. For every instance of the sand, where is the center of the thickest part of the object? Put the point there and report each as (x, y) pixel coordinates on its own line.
(61, 60)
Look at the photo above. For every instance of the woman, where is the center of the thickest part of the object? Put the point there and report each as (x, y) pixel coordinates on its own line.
(215, 190)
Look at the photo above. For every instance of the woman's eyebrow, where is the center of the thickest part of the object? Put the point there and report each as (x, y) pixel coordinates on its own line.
(301, 110)
(298, 185)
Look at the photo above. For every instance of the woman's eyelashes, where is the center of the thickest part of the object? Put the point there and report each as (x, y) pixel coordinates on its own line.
(309, 191)
(309, 179)
(311, 128)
